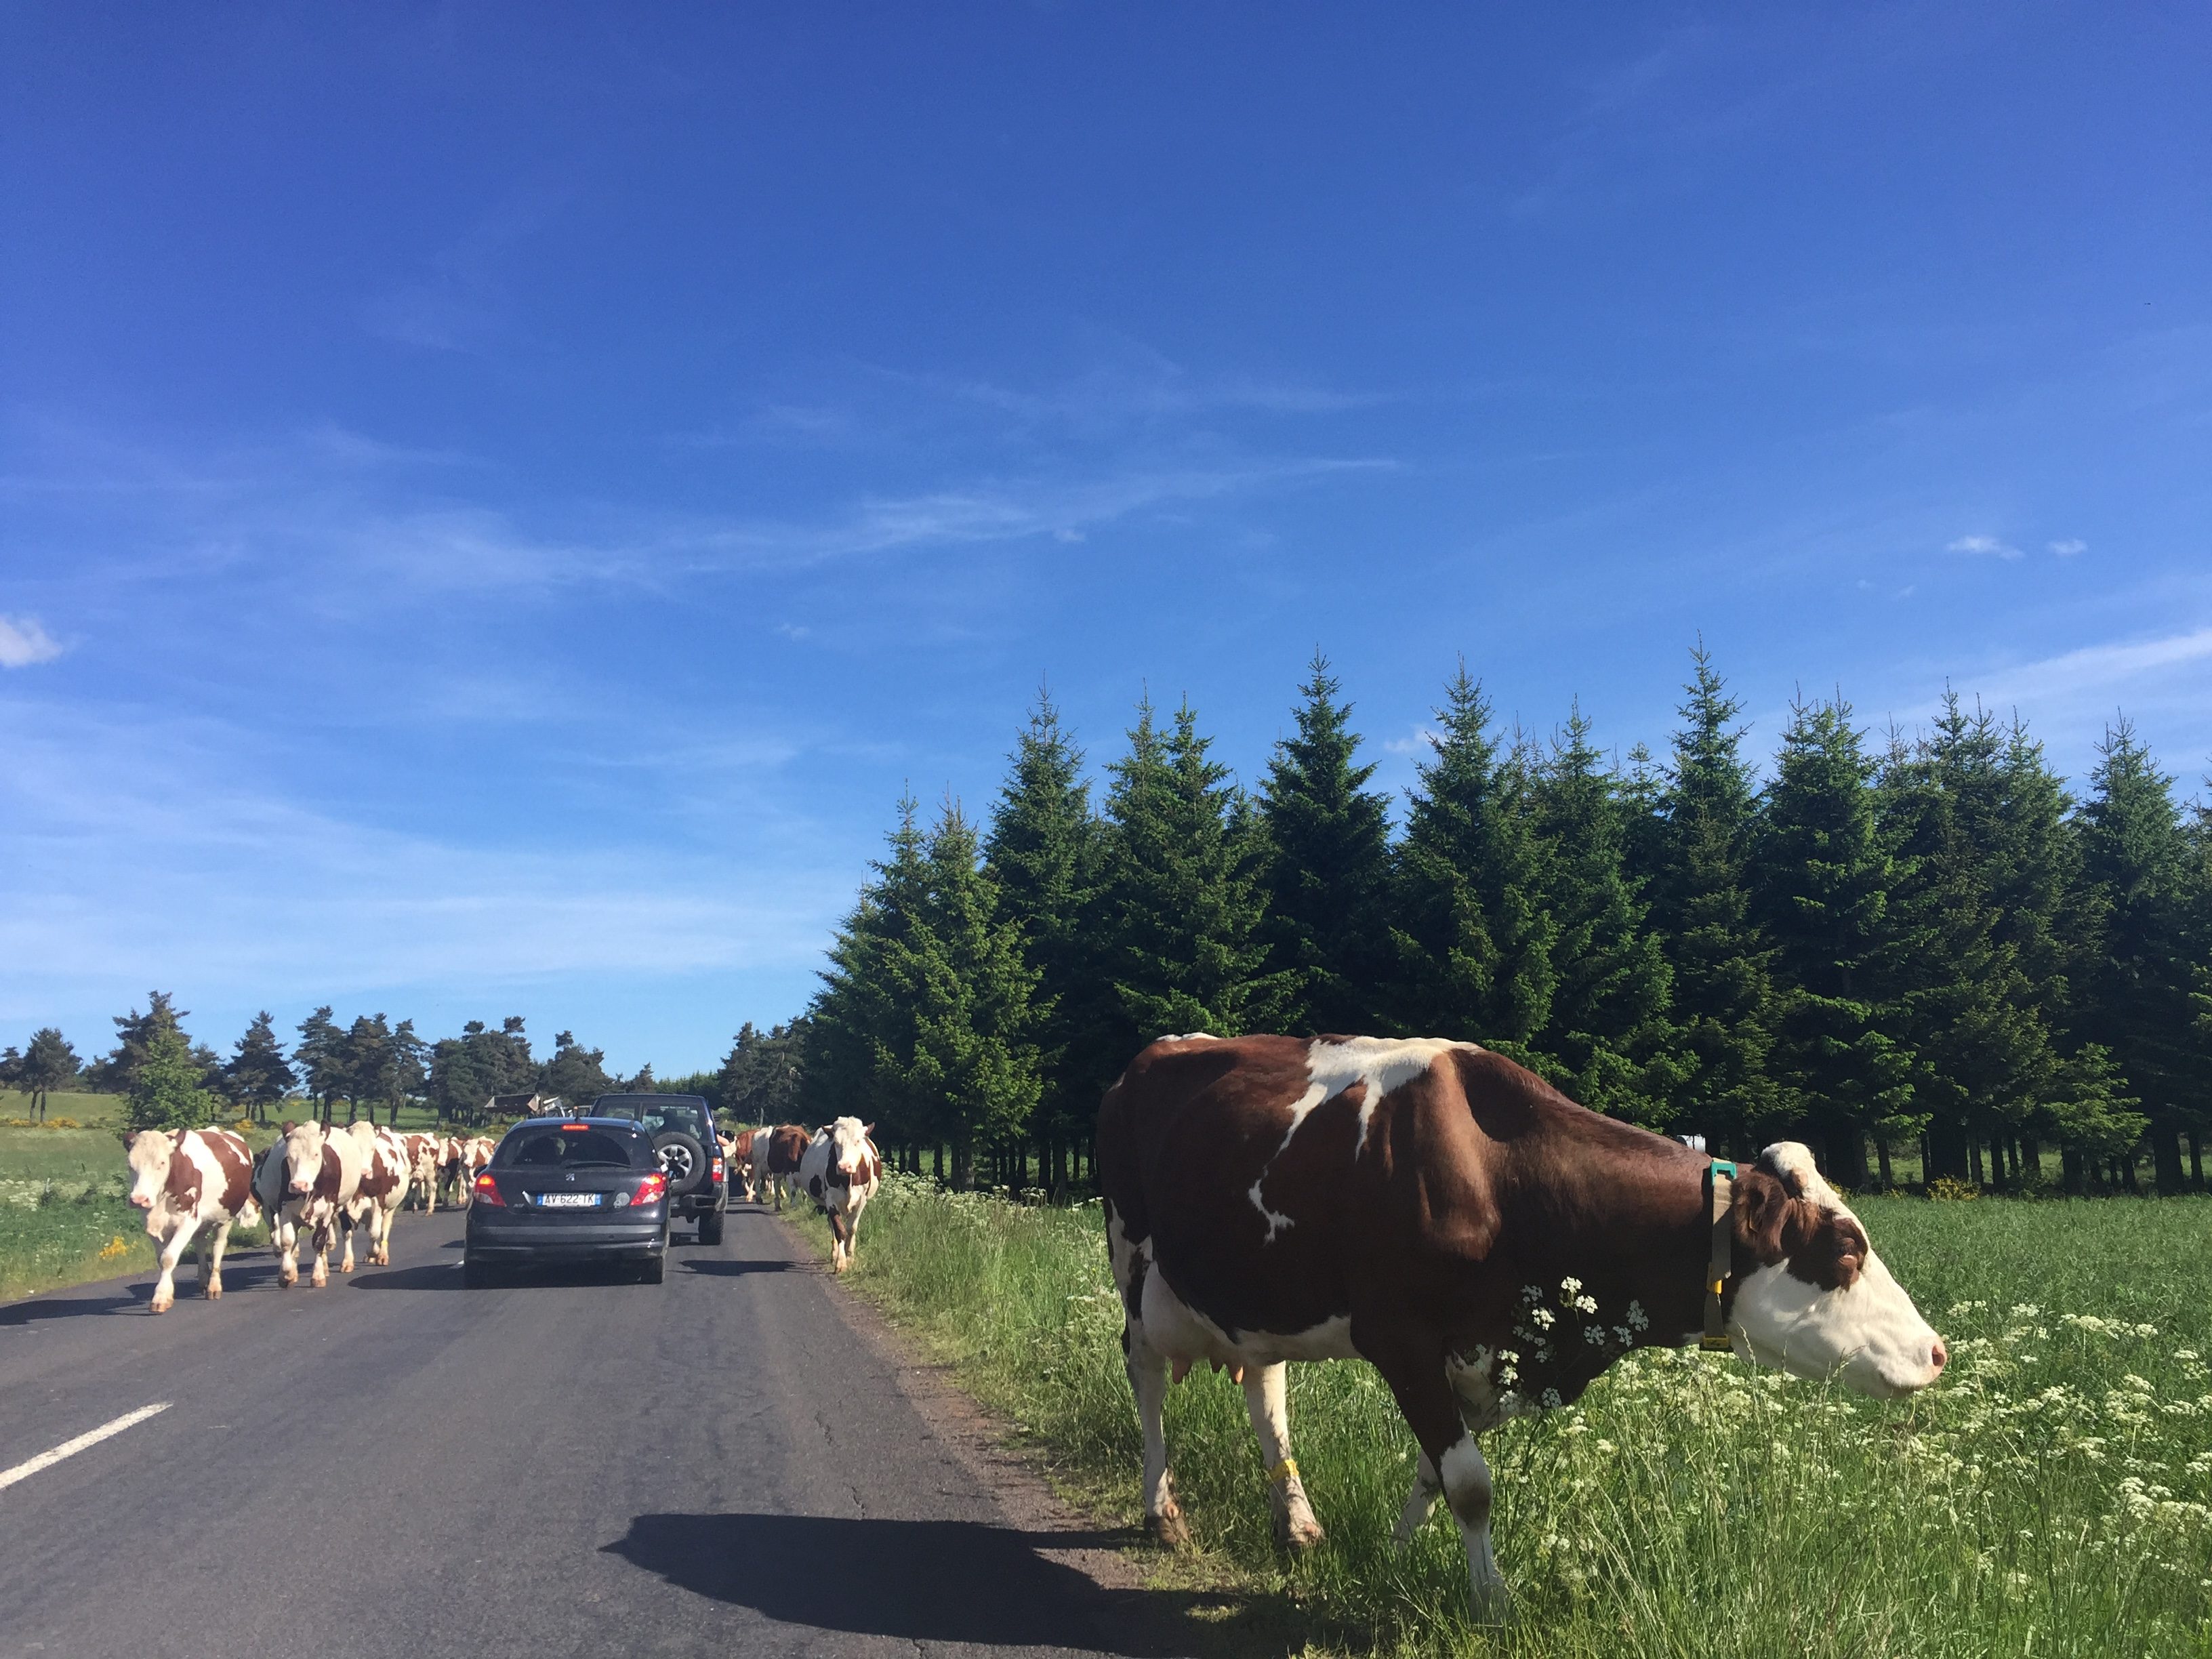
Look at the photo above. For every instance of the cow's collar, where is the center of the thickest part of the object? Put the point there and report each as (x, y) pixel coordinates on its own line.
(1720, 1189)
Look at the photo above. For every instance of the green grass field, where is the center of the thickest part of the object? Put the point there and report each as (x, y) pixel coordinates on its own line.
(2050, 1497)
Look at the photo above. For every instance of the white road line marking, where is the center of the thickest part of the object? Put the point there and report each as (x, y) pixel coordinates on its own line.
(71, 1448)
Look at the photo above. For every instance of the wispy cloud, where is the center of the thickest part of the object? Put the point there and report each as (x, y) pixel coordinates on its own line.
(25, 641)
(2114, 667)
(1985, 546)
(2070, 547)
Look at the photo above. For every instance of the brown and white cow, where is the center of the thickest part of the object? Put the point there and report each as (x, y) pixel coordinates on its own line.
(190, 1183)
(746, 1153)
(385, 1174)
(424, 1155)
(310, 1179)
(1489, 1245)
(841, 1171)
(778, 1168)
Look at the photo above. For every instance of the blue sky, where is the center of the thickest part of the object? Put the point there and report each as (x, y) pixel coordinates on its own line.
(496, 503)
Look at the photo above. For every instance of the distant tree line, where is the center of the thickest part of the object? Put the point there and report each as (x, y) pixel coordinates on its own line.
(371, 1064)
(1911, 941)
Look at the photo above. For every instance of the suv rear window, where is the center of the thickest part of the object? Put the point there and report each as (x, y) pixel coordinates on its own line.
(573, 1149)
(653, 1113)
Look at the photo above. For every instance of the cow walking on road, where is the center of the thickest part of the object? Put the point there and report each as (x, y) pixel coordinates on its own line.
(190, 1183)
(311, 1180)
(840, 1171)
(425, 1153)
(778, 1168)
(1490, 1246)
(379, 1193)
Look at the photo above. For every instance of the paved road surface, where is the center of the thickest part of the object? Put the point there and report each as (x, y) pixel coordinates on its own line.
(395, 1466)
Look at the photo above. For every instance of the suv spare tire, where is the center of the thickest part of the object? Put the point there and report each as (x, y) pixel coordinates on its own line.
(682, 1160)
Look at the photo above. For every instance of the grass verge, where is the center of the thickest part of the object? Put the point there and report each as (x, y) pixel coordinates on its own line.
(2052, 1496)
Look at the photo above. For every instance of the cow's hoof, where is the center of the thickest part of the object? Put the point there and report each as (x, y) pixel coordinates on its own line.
(286, 1281)
(215, 1292)
(1168, 1529)
(160, 1304)
(1296, 1537)
(320, 1281)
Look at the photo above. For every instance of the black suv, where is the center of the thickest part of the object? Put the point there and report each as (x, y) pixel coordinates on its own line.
(682, 1131)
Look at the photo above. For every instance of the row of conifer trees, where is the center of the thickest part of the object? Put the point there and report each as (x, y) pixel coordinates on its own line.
(1922, 943)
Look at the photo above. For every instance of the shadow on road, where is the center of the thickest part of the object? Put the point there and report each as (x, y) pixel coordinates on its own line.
(431, 1276)
(738, 1269)
(239, 1273)
(926, 1581)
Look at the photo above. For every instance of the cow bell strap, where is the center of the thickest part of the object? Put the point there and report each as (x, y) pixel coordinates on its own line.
(1720, 1190)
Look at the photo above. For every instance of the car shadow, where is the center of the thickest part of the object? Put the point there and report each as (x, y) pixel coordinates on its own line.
(429, 1276)
(926, 1581)
(720, 1269)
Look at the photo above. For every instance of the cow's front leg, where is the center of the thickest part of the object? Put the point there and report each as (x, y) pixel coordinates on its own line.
(1425, 1393)
(1428, 1486)
(212, 1246)
(323, 1238)
(165, 1287)
(284, 1239)
(1267, 1398)
(346, 1226)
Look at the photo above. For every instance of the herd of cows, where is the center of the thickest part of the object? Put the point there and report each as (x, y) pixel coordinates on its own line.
(323, 1184)
(1487, 1244)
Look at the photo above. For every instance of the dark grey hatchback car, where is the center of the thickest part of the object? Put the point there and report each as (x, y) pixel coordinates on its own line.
(568, 1191)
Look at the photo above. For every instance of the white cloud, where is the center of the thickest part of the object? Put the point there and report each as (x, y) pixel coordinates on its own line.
(2070, 547)
(24, 641)
(1987, 546)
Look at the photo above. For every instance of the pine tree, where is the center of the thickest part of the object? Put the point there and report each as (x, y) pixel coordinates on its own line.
(1965, 1006)
(858, 1048)
(1181, 909)
(761, 1080)
(1327, 871)
(48, 1063)
(2137, 1005)
(964, 1051)
(1825, 880)
(134, 1035)
(1722, 961)
(257, 1076)
(1606, 1025)
(1472, 939)
(576, 1074)
(321, 1055)
(165, 1091)
(1045, 852)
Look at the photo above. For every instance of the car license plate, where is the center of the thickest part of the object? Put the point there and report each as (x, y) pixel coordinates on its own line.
(568, 1201)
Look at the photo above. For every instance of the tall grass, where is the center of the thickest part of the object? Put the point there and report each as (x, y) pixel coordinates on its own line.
(2050, 1497)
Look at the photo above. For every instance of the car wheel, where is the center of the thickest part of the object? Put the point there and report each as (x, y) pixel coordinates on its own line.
(710, 1228)
(682, 1160)
(654, 1269)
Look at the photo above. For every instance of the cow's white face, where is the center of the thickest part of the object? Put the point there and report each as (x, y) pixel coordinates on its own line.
(148, 1154)
(1816, 1300)
(848, 1146)
(303, 1158)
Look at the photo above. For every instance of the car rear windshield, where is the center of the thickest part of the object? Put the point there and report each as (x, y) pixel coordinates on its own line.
(572, 1149)
(653, 1113)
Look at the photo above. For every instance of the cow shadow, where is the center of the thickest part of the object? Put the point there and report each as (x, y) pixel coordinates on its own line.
(241, 1274)
(716, 1268)
(918, 1581)
(125, 1298)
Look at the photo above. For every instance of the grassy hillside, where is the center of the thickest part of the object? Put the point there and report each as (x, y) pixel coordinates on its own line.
(2049, 1497)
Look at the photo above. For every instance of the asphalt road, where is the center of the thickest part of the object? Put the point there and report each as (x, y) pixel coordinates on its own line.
(722, 1464)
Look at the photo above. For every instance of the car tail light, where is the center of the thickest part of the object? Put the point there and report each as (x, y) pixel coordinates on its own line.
(652, 1190)
(487, 1190)
(718, 1169)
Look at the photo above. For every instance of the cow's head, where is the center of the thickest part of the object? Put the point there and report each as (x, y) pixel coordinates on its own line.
(1813, 1297)
(848, 1146)
(149, 1153)
(303, 1158)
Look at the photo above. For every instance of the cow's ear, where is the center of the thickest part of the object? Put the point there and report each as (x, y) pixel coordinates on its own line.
(1766, 1216)
(288, 1127)
(869, 1130)
(129, 1138)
